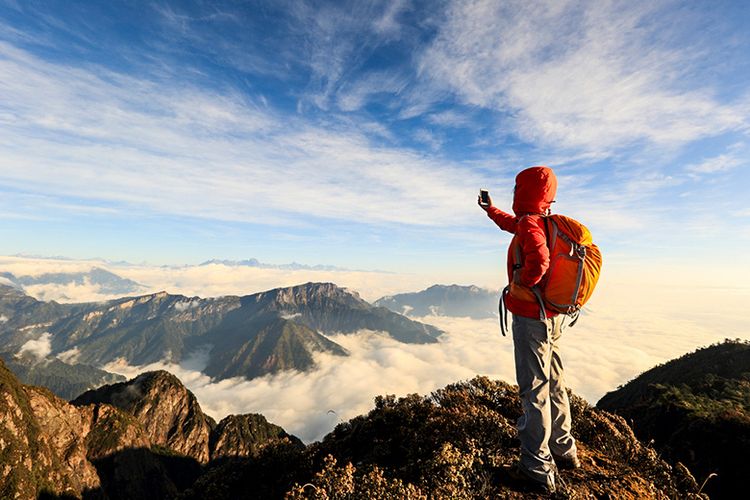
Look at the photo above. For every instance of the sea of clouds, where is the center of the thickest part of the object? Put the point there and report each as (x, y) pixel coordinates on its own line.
(621, 336)
(627, 328)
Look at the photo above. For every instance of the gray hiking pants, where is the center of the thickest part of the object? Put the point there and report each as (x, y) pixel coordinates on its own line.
(544, 427)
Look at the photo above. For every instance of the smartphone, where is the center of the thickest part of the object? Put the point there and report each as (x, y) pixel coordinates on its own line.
(484, 197)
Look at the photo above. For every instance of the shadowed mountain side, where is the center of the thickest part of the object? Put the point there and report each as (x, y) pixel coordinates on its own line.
(65, 380)
(256, 346)
(444, 300)
(22, 316)
(696, 409)
(54, 449)
(246, 436)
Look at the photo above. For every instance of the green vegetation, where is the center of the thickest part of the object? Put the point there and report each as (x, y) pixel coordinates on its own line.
(696, 410)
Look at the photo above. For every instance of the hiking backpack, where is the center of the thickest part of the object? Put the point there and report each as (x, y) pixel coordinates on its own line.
(574, 266)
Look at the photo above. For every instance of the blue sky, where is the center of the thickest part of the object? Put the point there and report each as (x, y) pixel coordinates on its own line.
(357, 134)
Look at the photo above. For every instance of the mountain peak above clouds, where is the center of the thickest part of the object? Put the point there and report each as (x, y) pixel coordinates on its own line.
(165, 408)
(444, 300)
(252, 262)
(248, 336)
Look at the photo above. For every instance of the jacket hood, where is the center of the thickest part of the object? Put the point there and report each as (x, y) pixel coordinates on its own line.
(535, 190)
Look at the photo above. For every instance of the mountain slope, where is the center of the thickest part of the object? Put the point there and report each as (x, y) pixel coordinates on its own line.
(696, 409)
(65, 380)
(444, 300)
(150, 446)
(265, 344)
(248, 336)
(331, 309)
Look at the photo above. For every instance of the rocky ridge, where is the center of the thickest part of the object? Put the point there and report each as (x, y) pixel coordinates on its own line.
(248, 336)
(146, 438)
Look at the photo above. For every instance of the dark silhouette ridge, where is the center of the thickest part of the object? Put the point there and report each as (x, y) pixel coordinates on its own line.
(696, 410)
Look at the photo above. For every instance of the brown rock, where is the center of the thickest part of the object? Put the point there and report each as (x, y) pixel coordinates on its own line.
(168, 412)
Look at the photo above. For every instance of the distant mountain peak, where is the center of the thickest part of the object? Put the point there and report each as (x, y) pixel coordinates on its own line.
(444, 300)
(309, 293)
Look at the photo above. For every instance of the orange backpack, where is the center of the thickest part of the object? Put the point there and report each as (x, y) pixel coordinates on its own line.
(574, 266)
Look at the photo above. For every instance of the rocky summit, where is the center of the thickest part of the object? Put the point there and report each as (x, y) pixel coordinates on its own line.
(144, 439)
(149, 439)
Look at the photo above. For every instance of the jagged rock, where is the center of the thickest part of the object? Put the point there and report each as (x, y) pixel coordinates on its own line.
(149, 443)
(41, 442)
(245, 436)
(167, 411)
(65, 429)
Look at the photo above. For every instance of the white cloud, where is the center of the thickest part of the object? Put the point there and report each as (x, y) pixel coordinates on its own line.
(3, 318)
(70, 356)
(354, 95)
(624, 332)
(40, 347)
(581, 75)
(186, 305)
(198, 153)
(721, 163)
(210, 280)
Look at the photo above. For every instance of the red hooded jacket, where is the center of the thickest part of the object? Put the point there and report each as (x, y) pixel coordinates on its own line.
(534, 193)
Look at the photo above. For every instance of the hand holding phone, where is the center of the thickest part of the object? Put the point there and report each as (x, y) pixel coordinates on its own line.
(484, 198)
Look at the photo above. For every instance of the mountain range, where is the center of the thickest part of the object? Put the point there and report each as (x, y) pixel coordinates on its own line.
(245, 336)
(444, 300)
(106, 282)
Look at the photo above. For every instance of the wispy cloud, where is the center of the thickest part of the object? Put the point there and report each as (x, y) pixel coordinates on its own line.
(188, 151)
(720, 164)
(40, 347)
(590, 75)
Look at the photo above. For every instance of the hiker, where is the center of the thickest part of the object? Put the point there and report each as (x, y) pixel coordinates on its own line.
(544, 428)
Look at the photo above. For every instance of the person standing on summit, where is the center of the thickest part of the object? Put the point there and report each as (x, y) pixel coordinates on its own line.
(544, 427)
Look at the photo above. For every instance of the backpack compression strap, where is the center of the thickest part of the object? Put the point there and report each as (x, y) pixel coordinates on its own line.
(503, 311)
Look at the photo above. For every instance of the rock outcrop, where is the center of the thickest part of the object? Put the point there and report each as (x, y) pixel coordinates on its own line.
(145, 438)
(42, 443)
(246, 436)
(166, 410)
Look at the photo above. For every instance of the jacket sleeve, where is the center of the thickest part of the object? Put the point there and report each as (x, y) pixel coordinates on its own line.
(533, 241)
(506, 222)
